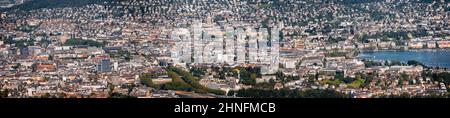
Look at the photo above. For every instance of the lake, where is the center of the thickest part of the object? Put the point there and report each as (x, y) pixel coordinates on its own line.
(432, 58)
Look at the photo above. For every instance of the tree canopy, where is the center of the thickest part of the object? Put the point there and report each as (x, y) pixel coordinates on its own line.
(287, 93)
(73, 42)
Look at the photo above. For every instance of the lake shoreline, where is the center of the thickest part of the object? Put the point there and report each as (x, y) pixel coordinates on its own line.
(429, 57)
(411, 50)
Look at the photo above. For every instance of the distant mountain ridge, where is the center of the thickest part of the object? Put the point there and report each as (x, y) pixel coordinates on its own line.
(10, 3)
(39, 4)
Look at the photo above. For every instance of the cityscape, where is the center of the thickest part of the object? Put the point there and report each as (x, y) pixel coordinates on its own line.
(224, 48)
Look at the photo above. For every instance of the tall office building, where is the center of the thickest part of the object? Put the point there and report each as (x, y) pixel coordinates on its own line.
(116, 66)
(24, 53)
(104, 66)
